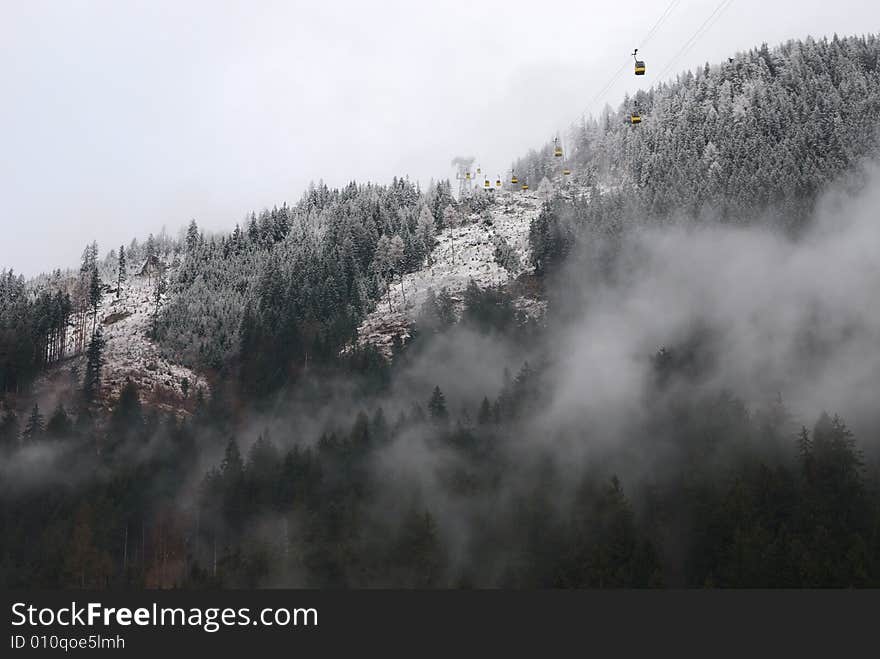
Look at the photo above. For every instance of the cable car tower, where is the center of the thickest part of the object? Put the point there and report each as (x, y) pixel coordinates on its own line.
(464, 175)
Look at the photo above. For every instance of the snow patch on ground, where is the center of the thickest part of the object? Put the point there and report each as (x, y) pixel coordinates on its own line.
(130, 353)
(462, 253)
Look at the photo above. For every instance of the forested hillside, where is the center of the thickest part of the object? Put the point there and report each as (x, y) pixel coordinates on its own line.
(697, 406)
(293, 283)
(753, 139)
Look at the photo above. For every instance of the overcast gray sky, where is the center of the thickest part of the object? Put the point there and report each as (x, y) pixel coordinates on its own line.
(119, 117)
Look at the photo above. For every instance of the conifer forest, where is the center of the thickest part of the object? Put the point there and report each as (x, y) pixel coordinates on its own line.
(651, 361)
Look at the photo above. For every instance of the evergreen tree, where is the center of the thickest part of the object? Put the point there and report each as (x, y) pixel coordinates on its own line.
(94, 294)
(418, 554)
(446, 308)
(59, 425)
(94, 364)
(805, 452)
(425, 232)
(192, 237)
(360, 433)
(8, 431)
(33, 427)
(159, 290)
(121, 273)
(437, 406)
(127, 414)
(232, 466)
(231, 482)
(451, 220)
(151, 249)
(253, 230)
(439, 198)
(429, 314)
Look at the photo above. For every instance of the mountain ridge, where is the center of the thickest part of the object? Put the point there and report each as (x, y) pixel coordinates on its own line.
(621, 176)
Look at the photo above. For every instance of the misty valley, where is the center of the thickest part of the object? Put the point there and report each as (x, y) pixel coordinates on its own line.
(656, 364)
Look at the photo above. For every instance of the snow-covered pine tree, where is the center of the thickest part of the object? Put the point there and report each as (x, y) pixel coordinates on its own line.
(192, 237)
(95, 294)
(425, 231)
(121, 273)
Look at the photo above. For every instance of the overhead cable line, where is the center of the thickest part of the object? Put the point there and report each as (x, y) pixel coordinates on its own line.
(650, 35)
(659, 22)
(720, 8)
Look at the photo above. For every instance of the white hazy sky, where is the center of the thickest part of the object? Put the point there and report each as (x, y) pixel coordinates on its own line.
(119, 117)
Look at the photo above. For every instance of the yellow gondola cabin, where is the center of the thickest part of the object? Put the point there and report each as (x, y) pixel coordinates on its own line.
(640, 64)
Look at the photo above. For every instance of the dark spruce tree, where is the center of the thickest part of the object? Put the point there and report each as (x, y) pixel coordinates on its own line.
(94, 365)
(34, 426)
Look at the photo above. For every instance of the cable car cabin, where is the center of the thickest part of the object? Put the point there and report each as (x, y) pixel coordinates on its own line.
(468, 176)
(498, 183)
(635, 118)
(514, 180)
(479, 171)
(525, 186)
(486, 184)
(640, 64)
(566, 172)
(557, 152)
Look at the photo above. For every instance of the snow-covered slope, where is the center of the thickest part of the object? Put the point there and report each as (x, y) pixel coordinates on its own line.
(462, 253)
(130, 353)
